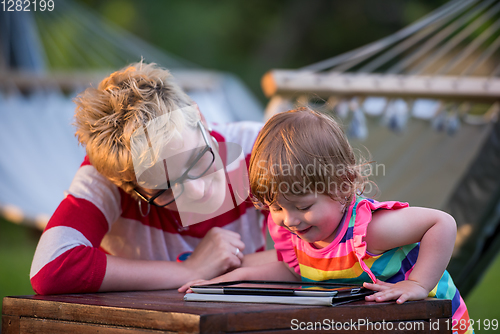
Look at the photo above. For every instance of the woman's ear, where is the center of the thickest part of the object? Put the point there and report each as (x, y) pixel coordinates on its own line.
(205, 124)
(215, 142)
(203, 119)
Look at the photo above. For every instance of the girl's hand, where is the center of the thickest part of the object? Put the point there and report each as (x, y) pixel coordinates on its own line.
(401, 291)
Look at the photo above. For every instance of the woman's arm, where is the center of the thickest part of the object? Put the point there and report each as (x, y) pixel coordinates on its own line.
(436, 232)
(212, 257)
(259, 258)
(124, 274)
(68, 258)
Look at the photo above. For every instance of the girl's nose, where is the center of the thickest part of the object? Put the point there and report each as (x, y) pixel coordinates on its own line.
(291, 220)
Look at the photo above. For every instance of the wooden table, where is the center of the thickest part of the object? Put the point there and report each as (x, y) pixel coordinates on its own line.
(166, 312)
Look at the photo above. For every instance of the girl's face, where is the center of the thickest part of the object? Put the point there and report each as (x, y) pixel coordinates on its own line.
(313, 217)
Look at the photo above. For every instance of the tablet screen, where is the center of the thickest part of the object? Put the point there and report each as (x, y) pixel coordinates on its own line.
(282, 288)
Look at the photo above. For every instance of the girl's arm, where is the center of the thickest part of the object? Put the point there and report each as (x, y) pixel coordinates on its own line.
(271, 271)
(436, 232)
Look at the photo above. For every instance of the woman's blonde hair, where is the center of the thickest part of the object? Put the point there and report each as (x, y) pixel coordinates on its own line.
(301, 151)
(106, 117)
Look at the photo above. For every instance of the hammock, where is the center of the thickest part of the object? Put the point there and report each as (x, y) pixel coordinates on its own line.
(424, 102)
(40, 154)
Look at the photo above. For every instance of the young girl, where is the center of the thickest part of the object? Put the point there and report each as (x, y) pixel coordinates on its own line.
(304, 172)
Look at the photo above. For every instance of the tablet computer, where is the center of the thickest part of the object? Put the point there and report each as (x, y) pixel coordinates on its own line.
(280, 288)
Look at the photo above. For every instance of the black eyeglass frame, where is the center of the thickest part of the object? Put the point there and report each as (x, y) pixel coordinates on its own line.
(184, 175)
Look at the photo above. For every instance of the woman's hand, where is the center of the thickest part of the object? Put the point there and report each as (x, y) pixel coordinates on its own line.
(186, 287)
(400, 291)
(235, 275)
(271, 271)
(219, 251)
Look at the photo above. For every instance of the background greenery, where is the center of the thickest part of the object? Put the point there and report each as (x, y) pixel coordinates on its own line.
(17, 246)
(247, 38)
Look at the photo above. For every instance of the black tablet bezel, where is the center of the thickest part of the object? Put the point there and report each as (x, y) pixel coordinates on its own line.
(340, 290)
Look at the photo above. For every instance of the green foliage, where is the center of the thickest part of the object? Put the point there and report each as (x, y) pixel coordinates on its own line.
(482, 302)
(17, 246)
(247, 38)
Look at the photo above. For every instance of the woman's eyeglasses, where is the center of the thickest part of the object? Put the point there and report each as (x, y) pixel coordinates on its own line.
(173, 189)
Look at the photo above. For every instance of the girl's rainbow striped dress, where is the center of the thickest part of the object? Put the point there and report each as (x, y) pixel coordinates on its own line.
(346, 259)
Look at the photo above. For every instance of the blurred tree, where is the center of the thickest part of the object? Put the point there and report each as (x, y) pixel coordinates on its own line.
(250, 37)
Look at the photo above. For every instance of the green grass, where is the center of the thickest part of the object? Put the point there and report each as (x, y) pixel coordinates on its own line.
(483, 301)
(17, 246)
(18, 243)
